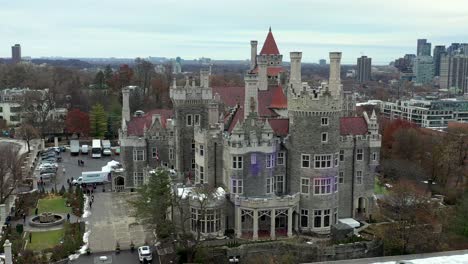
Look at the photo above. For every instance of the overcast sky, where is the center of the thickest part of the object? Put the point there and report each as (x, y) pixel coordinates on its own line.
(222, 29)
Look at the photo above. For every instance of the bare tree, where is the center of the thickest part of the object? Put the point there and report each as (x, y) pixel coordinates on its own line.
(38, 107)
(10, 170)
(27, 132)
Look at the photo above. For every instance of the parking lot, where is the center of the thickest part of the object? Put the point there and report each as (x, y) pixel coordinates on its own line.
(110, 217)
(72, 169)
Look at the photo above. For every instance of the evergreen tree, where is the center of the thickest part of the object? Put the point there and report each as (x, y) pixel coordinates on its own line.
(99, 80)
(98, 121)
(108, 73)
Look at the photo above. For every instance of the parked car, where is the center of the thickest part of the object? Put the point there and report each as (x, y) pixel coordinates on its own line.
(107, 152)
(84, 149)
(117, 151)
(47, 176)
(144, 253)
(48, 165)
(48, 170)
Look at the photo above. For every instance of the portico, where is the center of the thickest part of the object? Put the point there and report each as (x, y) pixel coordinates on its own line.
(256, 218)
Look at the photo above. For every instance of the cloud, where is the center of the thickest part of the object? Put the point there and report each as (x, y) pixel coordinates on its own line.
(381, 29)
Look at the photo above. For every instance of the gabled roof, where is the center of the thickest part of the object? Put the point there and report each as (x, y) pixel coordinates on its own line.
(137, 124)
(280, 126)
(353, 126)
(269, 47)
(279, 100)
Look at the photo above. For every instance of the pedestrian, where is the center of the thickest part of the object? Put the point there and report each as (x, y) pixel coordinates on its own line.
(63, 171)
(24, 218)
(82, 163)
(68, 217)
(36, 211)
(30, 237)
(90, 204)
(92, 198)
(68, 181)
(79, 163)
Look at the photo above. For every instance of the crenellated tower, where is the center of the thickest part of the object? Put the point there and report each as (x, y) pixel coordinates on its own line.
(313, 144)
(194, 107)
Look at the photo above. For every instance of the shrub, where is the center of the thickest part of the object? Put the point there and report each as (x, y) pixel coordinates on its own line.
(62, 190)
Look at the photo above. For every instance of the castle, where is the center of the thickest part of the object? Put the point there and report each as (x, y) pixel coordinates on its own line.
(280, 155)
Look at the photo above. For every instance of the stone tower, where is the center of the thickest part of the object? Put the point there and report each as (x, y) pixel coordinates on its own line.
(313, 145)
(192, 105)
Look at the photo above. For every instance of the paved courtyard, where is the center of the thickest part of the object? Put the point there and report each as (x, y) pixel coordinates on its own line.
(111, 221)
(125, 257)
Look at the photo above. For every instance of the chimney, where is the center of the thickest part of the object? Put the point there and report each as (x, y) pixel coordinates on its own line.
(126, 104)
(213, 114)
(204, 78)
(253, 54)
(262, 63)
(295, 79)
(251, 94)
(334, 83)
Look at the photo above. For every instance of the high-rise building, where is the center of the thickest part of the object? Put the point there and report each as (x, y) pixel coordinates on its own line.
(16, 53)
(364, 65)
(438, 50)
(322, 62)
(454, 72)
(424, 48)
(423, 69)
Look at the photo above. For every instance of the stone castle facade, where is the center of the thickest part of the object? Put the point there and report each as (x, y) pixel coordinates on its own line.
(280, 156)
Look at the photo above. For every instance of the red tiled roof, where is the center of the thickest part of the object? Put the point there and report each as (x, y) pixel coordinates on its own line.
(271, 71)
(279, 100)
(230, 96)
(238, 115)
(353, 126)
(270, 47)
(264, 102)
(136, 124)
(280, 126)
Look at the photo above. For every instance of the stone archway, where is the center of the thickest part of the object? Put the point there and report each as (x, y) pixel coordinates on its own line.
(119, 183)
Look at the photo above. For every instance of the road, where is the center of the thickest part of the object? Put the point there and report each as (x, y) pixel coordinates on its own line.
(125, 257)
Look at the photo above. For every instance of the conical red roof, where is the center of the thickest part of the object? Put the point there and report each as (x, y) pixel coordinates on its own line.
(269, 47)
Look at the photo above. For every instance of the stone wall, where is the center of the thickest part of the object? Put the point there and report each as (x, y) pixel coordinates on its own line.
(299, 252)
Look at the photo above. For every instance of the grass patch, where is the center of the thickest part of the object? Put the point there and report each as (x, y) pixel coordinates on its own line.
(44, 240)
(53, 204)
(379, 188)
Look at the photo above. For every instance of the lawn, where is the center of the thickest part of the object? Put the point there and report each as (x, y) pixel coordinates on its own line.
(52, 204)
(43, 240)
(379, 188)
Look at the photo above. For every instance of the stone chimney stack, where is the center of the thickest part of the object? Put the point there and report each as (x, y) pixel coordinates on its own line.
(262, 63)
(334, 83)
(253, 54)
(7, 250)
(204, 78)
(126, 104)
(251, 94)
(295, 79)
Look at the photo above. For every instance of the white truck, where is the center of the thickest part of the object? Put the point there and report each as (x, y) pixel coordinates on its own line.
(106, 148)
(74, 147)
(92, 177)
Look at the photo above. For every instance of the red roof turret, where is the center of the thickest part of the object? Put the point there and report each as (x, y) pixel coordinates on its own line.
(269, 47)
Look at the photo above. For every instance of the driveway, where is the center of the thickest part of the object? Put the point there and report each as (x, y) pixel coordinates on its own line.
(111, 222)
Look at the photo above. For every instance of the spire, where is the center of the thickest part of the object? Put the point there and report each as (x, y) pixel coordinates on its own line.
(270, 47)
(373, 116)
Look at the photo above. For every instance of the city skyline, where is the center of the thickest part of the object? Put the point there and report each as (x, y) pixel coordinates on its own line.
(206, 29)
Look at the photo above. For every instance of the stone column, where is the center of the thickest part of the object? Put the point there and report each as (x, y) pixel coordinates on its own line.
(290, 211)
(272, 224)
(8, 255)
(255, 224)
(238, 222)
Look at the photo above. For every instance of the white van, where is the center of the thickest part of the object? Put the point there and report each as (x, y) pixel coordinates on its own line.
(84, 149)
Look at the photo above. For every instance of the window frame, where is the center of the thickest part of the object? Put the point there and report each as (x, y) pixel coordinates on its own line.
(323, 159)
(189, 120)
(139, 154)
(359, 177)
(269, 161)
(323, 186)
(326, 123)
(341, 177)
(304, 215)
(307, 156)
(237, 162)
(305, 183)
(322, 137)
(359, 154)
(196, 120)
(342, 155)
(280, 158)
(137, 176)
